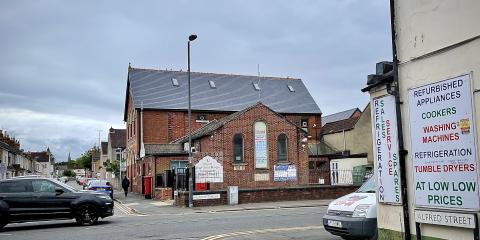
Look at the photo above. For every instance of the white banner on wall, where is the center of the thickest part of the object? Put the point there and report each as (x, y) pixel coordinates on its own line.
(261, 150)
(443, 147)
(387, 165)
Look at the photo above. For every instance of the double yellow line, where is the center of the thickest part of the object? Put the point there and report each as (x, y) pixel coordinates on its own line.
(262, 231)
(127, 210)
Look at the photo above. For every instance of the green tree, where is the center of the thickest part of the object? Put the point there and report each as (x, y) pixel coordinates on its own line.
(69, 173)
(112, 166)
(85, 161)
(72, 164)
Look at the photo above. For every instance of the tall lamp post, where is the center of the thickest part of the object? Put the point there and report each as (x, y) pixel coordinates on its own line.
(190, 180)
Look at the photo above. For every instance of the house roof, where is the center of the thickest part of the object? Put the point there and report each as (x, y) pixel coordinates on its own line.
(164, 149)
(216, 124)
(339, 116)
(117, 138)
(40, 156)
(339, 126)
(233, 93)
(104, 148)
(9, 148)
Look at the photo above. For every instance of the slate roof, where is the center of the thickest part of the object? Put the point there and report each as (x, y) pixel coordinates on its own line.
(39, 156)
(339, 126)
(216, 124)
(9, 148)
(338, 116)
(164, 149)
(104, 148)
(231, 92)
(117, 138)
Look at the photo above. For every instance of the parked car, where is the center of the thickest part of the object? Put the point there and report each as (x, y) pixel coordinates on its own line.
(103, 186)
(37, 199)
(354, 216)
(80, 180)
(86, 181)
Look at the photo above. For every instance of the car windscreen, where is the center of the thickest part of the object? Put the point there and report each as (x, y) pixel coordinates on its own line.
(68, 187)
(368, 186)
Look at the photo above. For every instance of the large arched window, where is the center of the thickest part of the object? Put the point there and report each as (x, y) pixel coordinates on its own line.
(282, 148)
(238, 148)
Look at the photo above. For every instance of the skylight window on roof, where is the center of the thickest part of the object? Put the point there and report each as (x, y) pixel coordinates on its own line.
(175, 82)
(212, 84)
(256, 86)
(291, 88)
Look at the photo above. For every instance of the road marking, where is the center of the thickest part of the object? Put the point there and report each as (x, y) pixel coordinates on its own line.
(261, 231)
(127, 210)
(5, 234)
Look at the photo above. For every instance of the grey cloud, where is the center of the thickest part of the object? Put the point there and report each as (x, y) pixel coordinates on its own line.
(70, 58)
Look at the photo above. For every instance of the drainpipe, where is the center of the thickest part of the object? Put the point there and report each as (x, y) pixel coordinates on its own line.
(402, 151)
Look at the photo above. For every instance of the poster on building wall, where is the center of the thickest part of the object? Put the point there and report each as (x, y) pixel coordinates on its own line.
(387, 164)
(443, 144)
(261, 151)
(284, 173)
(208, 170)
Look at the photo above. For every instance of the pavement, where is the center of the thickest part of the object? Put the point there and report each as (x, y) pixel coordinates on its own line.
(137, 204)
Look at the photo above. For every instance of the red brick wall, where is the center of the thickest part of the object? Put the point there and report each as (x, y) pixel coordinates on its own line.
(221, 145)
(270, 195)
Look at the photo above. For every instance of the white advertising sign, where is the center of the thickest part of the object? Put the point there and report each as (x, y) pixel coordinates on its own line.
(387, 165)
(261, 151)
(445, 218)
(208, 170)
(443, 147)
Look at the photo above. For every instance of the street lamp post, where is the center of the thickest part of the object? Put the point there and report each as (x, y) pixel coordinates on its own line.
(190, 180)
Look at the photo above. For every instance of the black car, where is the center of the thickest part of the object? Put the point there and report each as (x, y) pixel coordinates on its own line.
(36, 199)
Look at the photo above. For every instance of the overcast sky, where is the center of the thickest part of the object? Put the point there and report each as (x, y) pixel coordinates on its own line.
(63, 64)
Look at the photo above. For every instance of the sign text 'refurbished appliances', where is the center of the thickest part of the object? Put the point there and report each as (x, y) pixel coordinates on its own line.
(443, 147)
(387, 164)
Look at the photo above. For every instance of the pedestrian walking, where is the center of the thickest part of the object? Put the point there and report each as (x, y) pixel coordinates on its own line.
(125, 185)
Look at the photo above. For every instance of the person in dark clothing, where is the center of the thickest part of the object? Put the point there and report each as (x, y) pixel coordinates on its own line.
(125, 185)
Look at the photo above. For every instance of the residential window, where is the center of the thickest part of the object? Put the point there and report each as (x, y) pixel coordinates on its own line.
(238, 148)
(282, 147)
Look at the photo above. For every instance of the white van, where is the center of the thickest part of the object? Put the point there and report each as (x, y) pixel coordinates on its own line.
(354, 216)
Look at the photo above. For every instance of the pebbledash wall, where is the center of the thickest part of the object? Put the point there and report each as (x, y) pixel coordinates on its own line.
(436, 40)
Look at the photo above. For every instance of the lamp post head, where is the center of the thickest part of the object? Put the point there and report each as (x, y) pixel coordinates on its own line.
(192, 37)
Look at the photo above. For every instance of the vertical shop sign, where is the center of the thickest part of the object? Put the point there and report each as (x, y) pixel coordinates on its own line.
(387, 166)
(443, 147)
(261, 157)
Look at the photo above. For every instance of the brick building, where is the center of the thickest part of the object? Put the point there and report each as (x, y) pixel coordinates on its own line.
(225, 109)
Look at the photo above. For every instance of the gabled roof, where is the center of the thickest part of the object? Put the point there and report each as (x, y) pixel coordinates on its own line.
(339, 126)
(216, 124)
(117, 138)
(40, 156)
(339, 116)
(231, 93)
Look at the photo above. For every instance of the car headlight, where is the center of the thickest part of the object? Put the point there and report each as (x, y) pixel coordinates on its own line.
(361, 210)
(105, 197)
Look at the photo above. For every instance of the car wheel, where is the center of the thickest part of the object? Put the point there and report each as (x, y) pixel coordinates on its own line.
(87, 215)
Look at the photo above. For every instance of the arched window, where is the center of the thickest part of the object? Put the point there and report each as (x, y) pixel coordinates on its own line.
(282, 148)
(238, 148)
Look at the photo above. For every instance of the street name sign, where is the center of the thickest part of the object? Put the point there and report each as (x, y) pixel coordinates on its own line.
(445, 218)
(387, 165)
(206, 196)
(443, 145)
